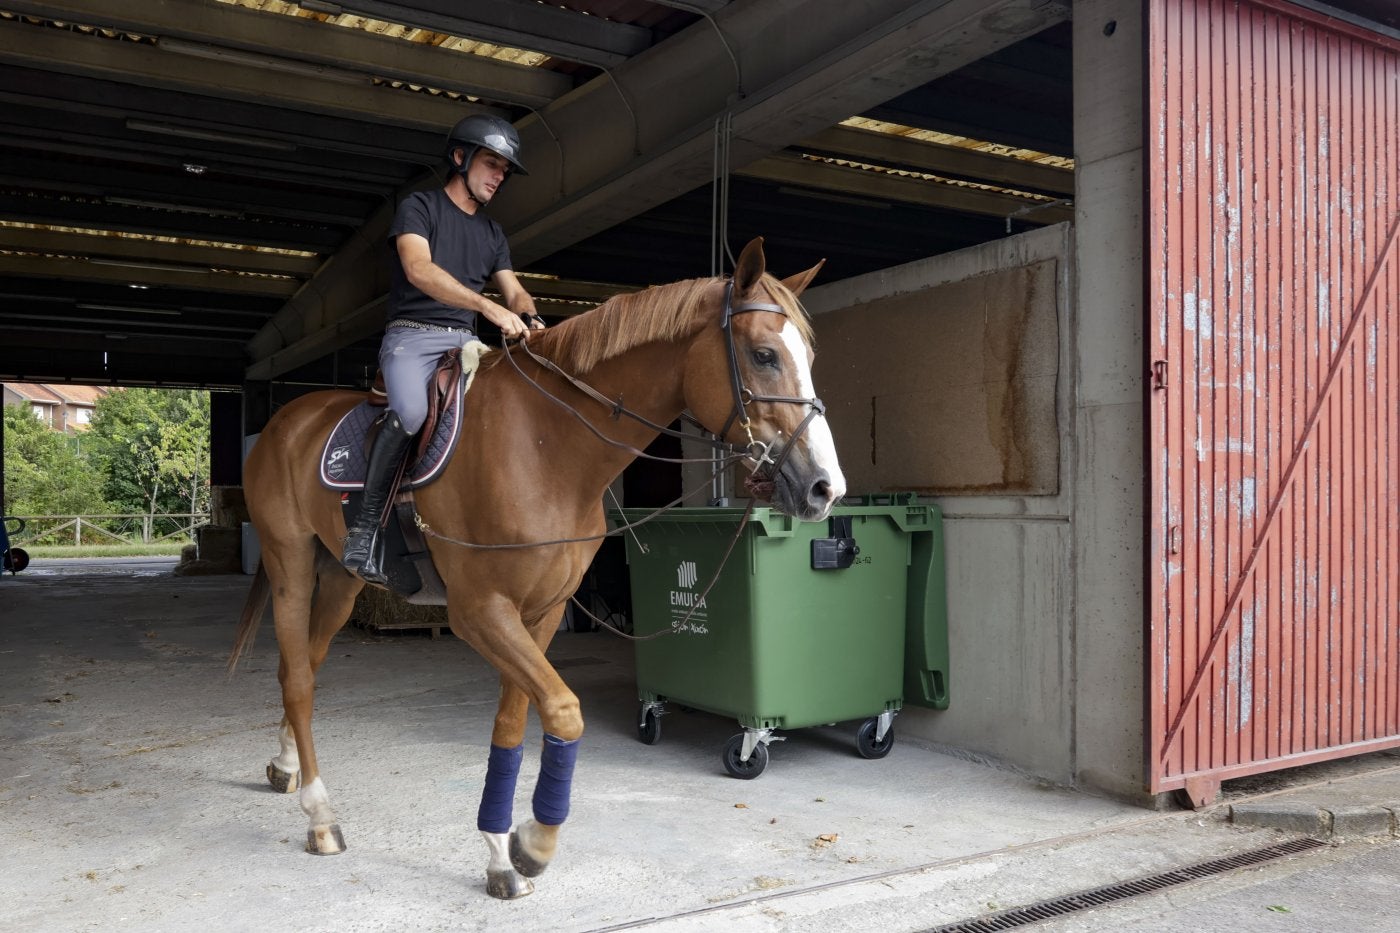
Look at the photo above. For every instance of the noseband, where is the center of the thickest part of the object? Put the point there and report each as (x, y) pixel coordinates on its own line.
(743, 396)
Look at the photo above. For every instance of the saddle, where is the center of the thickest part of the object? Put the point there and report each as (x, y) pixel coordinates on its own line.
(345, 458)
(346, 454)
(442, 398)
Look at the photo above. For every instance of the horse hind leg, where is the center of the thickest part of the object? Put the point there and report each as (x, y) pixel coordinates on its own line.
(284, 771)
(304, 648)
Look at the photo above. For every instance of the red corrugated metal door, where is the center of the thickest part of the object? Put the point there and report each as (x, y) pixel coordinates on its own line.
(1274, 288)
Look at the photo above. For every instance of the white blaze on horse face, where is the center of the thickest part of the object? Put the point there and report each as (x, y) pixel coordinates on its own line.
(818, 435)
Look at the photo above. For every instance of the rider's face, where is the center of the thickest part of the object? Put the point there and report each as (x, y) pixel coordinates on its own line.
(485, 174)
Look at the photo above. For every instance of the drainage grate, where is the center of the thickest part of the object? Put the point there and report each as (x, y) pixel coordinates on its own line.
(1099, 897)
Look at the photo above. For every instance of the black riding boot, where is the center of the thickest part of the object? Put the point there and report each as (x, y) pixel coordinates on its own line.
(364, 546)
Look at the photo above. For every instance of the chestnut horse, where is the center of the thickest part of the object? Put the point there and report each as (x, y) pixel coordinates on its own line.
(529, 472)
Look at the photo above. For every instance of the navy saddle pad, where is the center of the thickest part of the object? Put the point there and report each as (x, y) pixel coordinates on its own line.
(345, 458)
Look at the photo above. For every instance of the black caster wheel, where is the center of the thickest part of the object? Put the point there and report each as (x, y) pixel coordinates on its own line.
(649, 728)
(866, 743)
(16, 559)
(744, 770)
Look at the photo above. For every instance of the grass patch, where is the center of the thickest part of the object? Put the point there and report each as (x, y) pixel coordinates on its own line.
(156, 549)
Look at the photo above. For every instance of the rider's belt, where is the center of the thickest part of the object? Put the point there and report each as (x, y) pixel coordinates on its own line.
(419, 325)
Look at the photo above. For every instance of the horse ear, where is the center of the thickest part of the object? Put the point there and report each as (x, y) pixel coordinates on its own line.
(797, 284)
(749, 269)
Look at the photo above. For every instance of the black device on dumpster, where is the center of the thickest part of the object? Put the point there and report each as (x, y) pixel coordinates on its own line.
(838, 550)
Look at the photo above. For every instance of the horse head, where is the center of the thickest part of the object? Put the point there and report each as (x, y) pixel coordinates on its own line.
(750, 381)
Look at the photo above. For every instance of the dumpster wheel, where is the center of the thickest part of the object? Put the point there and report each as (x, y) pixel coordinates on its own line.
(649, 724)
(867, 743)
(736, 766)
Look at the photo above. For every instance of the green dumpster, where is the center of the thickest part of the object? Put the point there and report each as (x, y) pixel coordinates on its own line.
(790, 624)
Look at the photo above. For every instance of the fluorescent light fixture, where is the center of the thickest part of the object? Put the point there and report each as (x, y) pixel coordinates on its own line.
(220, 53)
(168, 206)
(87, 306)
(213, 136)
(161, 328)
(151, 266)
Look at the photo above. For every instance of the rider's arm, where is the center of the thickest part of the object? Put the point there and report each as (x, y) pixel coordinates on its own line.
(439, 284)
(516, 297)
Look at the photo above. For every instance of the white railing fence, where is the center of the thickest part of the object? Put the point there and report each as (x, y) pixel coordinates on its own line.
(139, 528)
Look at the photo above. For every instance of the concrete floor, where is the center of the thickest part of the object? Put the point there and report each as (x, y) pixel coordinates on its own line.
(132, 795)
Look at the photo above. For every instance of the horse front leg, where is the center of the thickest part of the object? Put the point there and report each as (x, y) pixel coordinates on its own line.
(524, 853)
(495, 816)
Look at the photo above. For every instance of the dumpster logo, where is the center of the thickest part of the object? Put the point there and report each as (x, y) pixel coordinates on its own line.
(685, 574)
(688, 610)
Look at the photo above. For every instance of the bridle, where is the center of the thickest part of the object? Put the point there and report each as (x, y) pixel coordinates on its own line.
(743, 396)
(755, 450)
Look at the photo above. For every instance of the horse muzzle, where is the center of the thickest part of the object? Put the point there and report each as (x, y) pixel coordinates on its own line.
(801, 488)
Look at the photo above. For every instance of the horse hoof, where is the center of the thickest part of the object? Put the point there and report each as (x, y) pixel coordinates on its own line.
(325, 840)
(507, 885)
(525, 863)
(284, 782)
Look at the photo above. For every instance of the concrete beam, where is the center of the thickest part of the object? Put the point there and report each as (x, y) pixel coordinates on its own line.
(145, 273)
(858, 145)
(571, 289)
(826, 176)
(643, 134)
(521, 24)
(72, 53)
(357, 325)
(695, 6)
(66, 243)
(309, 40)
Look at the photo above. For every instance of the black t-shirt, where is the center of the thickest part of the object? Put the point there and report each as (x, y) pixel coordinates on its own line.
(471, 247)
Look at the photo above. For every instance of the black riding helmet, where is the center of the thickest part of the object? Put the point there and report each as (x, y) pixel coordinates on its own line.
(482, 131)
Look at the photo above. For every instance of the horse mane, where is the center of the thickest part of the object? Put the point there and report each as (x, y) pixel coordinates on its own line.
(661, 313)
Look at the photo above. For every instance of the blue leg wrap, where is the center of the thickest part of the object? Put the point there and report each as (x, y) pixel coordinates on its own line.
(555, 780)
(498, 797)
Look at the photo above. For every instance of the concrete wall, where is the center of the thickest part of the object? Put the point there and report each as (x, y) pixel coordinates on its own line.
(1010, 585)
(1110, 475)
(1045, 580)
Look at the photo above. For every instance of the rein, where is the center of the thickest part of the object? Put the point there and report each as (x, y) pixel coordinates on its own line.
(759, 483)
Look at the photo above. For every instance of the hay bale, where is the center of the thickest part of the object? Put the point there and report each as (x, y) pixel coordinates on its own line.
(379, 610)
(227, 508)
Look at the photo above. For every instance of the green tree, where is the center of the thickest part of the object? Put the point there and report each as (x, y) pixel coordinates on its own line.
(153, 446)
(45, 474)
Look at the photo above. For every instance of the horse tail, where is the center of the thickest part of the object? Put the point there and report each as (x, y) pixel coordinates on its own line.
(253, 609)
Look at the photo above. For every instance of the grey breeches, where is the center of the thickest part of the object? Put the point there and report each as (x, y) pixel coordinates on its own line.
(407, 358)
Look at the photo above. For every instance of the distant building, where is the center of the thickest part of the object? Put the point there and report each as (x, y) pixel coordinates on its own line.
(62, 406)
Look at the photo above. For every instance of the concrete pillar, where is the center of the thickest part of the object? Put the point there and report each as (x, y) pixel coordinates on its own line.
(1110, 471)
(257, 405)
(225, 439)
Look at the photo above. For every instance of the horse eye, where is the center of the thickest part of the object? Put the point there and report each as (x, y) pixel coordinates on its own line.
(764, 357)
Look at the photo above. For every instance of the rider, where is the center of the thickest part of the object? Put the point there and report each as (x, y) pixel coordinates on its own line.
(446, 249)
